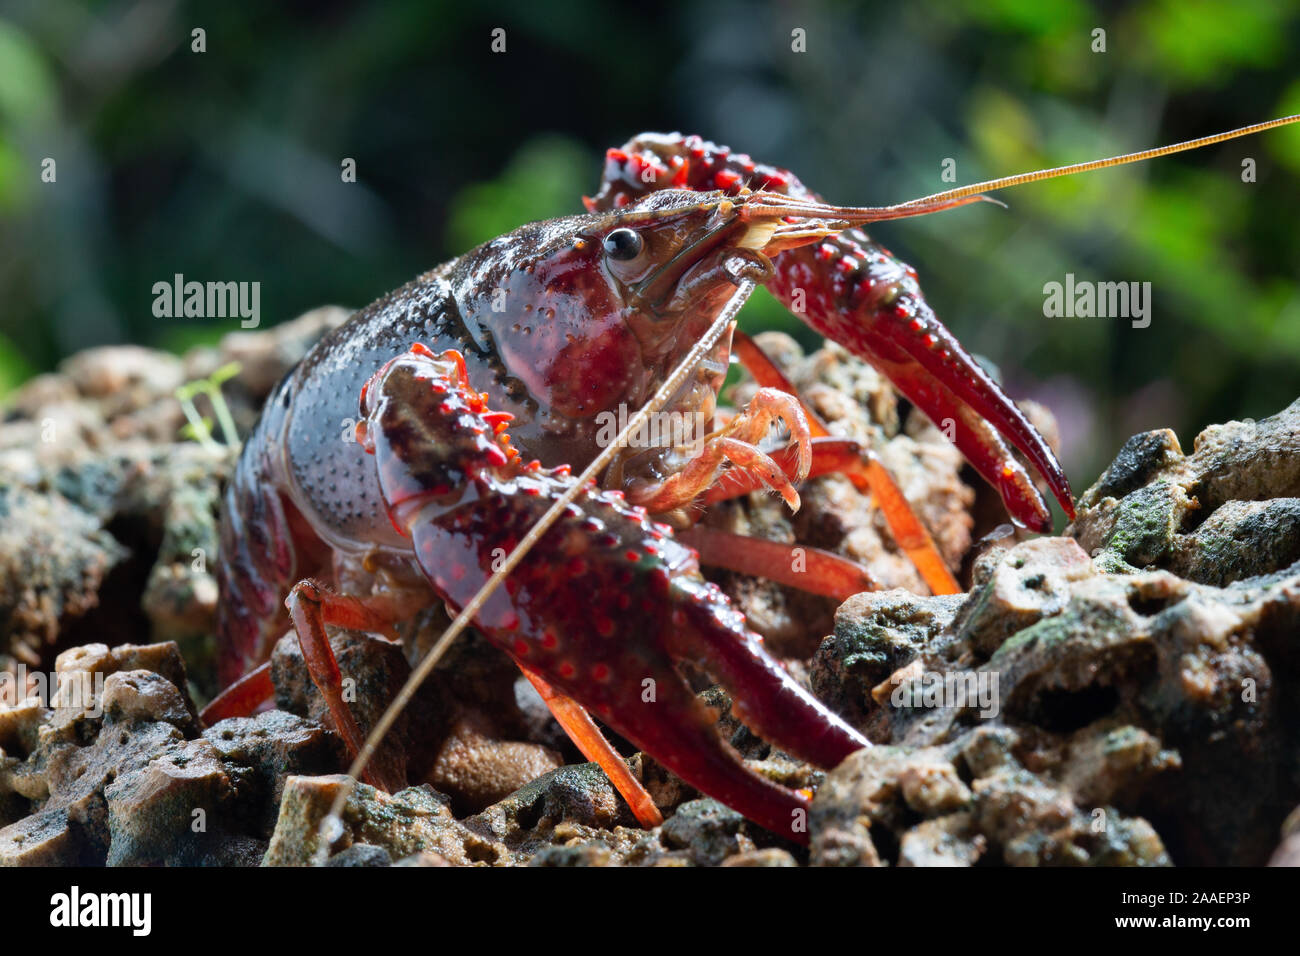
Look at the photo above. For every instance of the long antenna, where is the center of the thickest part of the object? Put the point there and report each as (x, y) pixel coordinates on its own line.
(961, 192)
(331, 827)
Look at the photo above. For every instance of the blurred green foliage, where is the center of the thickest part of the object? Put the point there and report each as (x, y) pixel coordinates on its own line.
(225, 165)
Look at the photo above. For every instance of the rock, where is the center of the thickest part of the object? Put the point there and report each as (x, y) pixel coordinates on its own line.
(93, 466)
(1226, 512)
(1033, 580)
(46, 838)
(987, 748)
(413, 821)
(44, 590)
(875, 791)
(19, 726)
(76, 778)
(476, 770)
(119, 777)
(772, 856)
(584, 854)
(1112, 690)
(264, 356)
(1037, 825)
(140, 682)
(708, 831)
(361, 854)
(139, 695)
(577, 793)
(944, 841)
(876, 633)
(1288, 851)
(131, 376)
(872, 799)
(423, 858)
(1105, 762)
(1239, 540)
(261, 751)
(172, 812)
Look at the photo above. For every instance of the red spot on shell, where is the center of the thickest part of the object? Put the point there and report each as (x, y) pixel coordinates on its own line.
(521, 647)
(600, 672)
(550, 641)
(566, 669)
(725, 179)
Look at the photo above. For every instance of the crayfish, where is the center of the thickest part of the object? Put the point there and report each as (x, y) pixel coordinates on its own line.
(468, 396)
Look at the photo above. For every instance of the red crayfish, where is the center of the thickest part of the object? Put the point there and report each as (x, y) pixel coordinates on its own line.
(459, 443)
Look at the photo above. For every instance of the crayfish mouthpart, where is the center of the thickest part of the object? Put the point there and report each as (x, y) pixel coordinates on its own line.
(758, 234)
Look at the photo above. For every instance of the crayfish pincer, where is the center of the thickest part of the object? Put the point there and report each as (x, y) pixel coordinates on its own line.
(602, 607)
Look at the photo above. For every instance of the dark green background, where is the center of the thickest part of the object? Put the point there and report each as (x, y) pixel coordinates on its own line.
(225, 165)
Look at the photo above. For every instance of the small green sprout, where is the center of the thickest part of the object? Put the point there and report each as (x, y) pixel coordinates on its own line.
(200, 427)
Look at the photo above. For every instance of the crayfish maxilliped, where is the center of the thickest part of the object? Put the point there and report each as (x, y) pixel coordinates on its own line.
(476, 388)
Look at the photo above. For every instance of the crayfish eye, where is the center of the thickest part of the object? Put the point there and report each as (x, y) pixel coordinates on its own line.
(623, 244)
